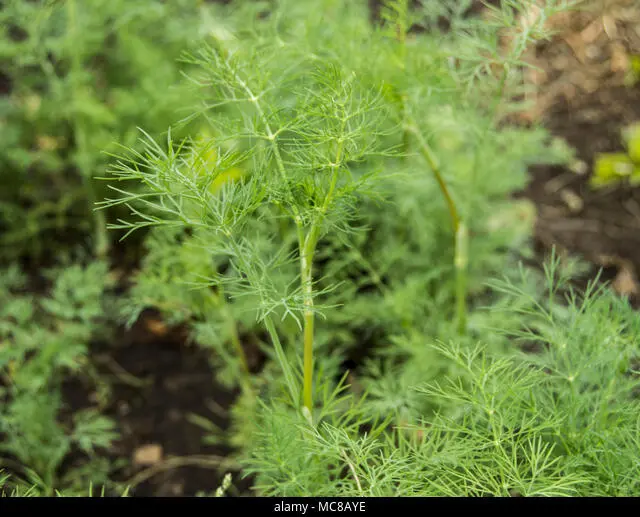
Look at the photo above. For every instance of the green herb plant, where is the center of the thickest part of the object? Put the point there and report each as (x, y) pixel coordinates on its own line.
(612, 168)
(560, 422)
(291, 210)
(81, 75)
(301, 124)
(307, 127)
(490, 62)
(43, 342)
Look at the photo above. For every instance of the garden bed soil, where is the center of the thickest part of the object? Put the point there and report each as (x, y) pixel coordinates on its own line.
(585, 97)
(158, 381)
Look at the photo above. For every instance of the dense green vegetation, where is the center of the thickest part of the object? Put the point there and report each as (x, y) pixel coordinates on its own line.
(336, 187)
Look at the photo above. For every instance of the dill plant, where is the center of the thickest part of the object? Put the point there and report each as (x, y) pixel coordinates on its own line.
(561, 422)
(251, 216)
(302, 124)
(486, 65)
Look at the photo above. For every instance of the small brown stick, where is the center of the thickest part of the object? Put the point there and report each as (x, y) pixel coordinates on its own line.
(210, 462)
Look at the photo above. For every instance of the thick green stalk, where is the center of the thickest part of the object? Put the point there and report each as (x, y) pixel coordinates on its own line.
(307, 247)
(307, 252)
(306, 242)
(306, 278)
(461, 237)
(460, 243)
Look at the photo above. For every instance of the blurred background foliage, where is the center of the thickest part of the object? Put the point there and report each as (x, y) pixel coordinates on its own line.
(78, 78)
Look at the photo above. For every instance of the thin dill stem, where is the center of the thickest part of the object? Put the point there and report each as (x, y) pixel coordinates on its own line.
(282, 359)
(307, 250)
(233, 333)
(461, 261)
(410, 127)
(309, 323)
(307, 246)
(101, 241)
(353, 470)
(460, 232)
(431, 160)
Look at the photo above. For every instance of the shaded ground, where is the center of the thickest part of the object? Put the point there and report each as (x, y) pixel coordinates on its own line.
(157, 383)
(586, 96)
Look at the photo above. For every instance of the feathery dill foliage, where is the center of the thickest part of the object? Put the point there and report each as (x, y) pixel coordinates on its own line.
(562, 422)
(301, 126)
(317, 189)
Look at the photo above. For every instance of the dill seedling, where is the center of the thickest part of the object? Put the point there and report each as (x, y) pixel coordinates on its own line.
(487, 58)
(302, 126)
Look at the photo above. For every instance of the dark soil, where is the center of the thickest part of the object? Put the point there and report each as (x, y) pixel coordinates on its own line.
(583, 99)
(602, 226)
(157, 382)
